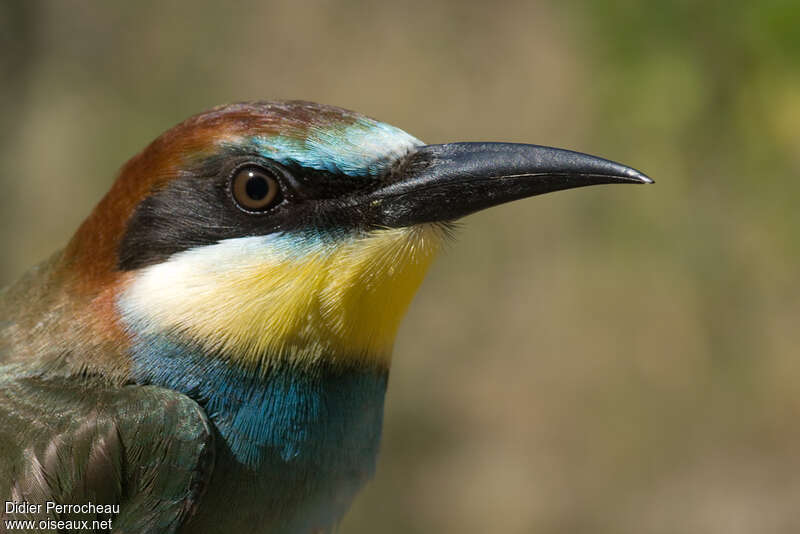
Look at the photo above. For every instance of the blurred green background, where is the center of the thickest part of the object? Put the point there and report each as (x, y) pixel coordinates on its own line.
(606, 360)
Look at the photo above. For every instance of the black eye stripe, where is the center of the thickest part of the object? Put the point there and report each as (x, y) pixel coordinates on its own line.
(198, 207)
(296, 181)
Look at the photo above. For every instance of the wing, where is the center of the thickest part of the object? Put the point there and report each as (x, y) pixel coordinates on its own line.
(146, 450)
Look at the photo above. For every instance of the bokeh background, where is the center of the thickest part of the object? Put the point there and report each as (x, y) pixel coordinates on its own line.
(605, 360)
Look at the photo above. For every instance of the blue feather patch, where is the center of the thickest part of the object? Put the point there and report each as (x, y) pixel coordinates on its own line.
(323, 418)
(362, 148)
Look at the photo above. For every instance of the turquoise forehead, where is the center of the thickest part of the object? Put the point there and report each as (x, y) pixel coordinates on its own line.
(362, 148)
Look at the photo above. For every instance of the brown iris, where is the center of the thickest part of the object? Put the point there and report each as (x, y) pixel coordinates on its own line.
(254, 188)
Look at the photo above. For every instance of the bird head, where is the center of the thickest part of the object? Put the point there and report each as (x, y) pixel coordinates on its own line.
(292, 231)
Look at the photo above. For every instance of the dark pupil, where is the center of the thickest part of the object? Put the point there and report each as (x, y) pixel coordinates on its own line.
(256, 187)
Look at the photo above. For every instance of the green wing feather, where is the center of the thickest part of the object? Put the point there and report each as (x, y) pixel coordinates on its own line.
(146, 449)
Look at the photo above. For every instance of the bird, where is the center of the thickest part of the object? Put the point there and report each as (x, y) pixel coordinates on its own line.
(210, 351)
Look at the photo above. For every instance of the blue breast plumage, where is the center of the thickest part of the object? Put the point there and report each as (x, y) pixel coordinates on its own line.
(308, 437)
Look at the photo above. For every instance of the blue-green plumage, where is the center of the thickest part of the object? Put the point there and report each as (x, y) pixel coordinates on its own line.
(362, 148)
(305, 416)
(308, 438)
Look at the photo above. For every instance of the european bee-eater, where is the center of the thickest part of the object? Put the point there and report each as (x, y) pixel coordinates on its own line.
(209, 353)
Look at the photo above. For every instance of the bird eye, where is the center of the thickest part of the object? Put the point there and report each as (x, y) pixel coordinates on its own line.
(254, 188)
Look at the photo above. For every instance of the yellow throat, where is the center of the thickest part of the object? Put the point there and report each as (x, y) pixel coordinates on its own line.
(284, 297)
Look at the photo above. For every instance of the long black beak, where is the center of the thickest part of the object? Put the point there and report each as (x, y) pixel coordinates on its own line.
(446, 182)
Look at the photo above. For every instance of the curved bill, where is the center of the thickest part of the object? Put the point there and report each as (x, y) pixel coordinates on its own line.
(449, 181)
